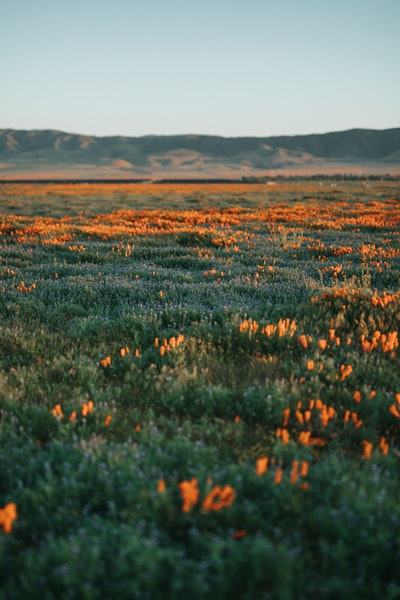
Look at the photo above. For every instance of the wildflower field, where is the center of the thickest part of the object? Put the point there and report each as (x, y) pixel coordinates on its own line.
(200, 391)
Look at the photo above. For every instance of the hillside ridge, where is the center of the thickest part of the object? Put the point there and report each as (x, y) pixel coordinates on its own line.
(53, 152)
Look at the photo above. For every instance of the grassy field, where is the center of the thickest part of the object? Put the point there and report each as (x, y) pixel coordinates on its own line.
(200, 391)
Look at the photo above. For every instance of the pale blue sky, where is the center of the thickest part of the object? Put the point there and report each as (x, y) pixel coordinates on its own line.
(225, 67)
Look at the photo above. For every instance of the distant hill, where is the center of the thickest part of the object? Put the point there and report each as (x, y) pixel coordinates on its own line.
(49, 153)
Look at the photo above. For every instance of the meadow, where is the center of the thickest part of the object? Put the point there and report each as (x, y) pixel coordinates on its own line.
(200, 391)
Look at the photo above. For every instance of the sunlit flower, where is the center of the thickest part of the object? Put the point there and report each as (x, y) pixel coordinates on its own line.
(189, 494)
(345, 371)
(304, 468)
(302, 339)
(8, 515)
(394, 411)
(294, 475)
(384, 446)
(367, 449)
(261, 465)
(106, 362)
(57, 411)
(107, 420)
(286, 416)
(218, 498)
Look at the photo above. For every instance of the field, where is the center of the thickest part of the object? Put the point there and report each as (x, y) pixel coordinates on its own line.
(200, 391)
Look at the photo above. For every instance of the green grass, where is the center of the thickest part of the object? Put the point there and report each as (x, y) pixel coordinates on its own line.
(91, 521)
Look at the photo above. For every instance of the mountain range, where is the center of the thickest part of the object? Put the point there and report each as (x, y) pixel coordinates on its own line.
(56, 154)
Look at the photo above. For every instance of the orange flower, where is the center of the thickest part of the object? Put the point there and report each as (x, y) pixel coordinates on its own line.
(357, 396)
(303, 341)
(294, 475)
(397, 398)
(8, 515)
(384, 446)
(189, 494)
(137, 428)
(304, 468)
(367, 449)
(239, 534)
(107, 420)
(285, 436)
(72, 416)
(345, 371)
(261, 465)
(304, 438)
(106, 362)
(322, 344)
(218, 498)
(286, 415)
(394, 410)
(278, 475)
(310, 365)
(57, 411)
(237, 419)
(161, 486)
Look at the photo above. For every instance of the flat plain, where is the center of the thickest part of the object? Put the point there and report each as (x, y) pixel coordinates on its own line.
(200, 390)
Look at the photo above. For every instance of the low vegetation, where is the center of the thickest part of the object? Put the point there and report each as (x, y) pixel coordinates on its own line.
(204, 402)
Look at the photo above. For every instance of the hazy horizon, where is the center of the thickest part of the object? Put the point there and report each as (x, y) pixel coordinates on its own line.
(232, 69)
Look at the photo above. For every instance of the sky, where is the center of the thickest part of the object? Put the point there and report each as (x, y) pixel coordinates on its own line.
(218, 67)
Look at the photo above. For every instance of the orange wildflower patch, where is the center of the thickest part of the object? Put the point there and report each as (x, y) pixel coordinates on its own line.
(394, 411)
(286, 416)
(345, 371)
(218, 498)
(189, 494)
(106, 362)
(322, 344)
(8, 515)
(261, 465)
(367, 449)
(57, 411)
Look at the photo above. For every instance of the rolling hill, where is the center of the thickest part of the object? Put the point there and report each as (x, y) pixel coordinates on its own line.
(56, 154)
